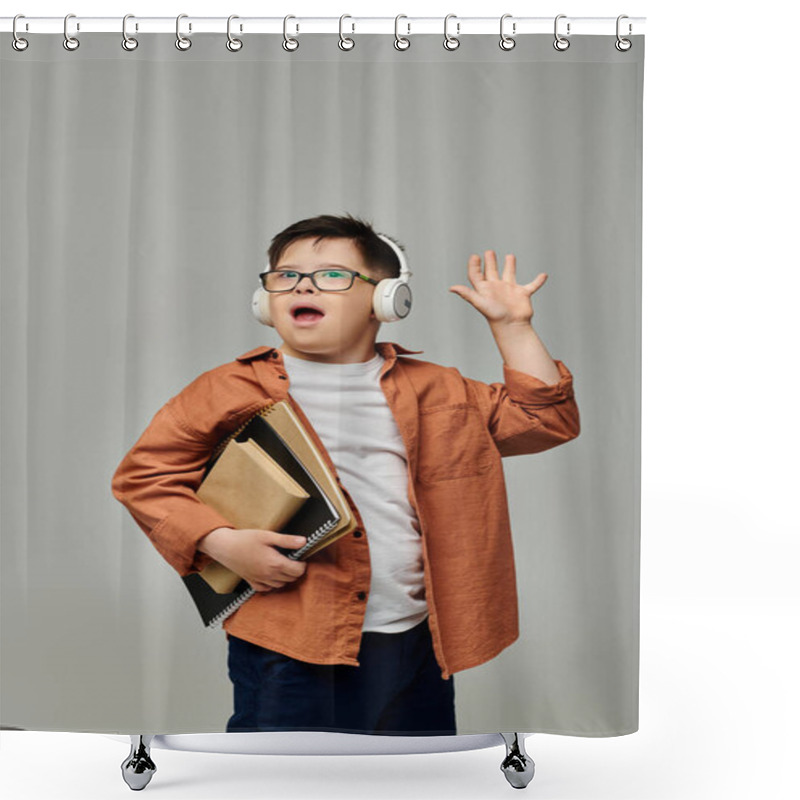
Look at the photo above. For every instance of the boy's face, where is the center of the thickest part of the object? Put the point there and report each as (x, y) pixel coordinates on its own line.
(347, 330)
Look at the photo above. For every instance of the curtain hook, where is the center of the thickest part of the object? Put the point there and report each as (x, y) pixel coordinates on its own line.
(233, 44)
(451, 42)
(560, 42)
(290, 43)
(400, 42)
(345, 43)
(623, 45)
(18, 43)
(507, 42)
(128, 42)
(182, 42)
(70, 42)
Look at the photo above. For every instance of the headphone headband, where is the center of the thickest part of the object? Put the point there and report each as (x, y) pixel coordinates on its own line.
(405, 273)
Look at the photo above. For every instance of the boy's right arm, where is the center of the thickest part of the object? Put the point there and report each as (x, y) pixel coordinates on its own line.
(157, 482)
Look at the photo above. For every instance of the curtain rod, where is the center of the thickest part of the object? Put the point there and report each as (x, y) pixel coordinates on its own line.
(456, 26)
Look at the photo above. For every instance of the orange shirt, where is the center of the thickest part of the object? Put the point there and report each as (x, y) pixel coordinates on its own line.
(455, 431)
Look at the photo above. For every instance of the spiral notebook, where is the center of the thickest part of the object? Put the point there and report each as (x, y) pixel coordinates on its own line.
(280, 457)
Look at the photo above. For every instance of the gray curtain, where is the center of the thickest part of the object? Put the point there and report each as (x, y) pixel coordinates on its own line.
(140, 191)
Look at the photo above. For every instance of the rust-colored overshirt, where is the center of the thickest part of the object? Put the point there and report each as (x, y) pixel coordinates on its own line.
(455, 431)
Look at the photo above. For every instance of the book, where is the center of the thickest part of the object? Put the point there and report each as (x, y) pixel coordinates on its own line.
(251, 491)
(305, 500)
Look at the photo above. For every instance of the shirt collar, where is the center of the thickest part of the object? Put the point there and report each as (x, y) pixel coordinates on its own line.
(389, 350)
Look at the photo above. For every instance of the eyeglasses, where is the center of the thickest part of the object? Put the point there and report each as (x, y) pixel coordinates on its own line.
(326, 280)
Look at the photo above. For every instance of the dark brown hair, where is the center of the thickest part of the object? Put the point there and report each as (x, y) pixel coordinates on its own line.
(377, 255)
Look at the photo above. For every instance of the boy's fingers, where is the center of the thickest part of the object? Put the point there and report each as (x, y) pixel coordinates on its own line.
(291, 569)
(289, 540)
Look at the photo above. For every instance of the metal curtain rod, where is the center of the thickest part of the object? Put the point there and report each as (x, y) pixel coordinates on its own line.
(457, 26)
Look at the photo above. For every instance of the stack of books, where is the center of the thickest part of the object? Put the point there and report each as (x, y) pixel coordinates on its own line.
(268, 475)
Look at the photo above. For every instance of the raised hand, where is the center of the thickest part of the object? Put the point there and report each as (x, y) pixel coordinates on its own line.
(500, 299)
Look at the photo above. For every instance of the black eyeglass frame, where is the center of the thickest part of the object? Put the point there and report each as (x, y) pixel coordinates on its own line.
(353, 275)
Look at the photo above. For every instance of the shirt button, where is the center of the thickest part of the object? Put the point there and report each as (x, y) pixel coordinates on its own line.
(362, 595)
(357, 534)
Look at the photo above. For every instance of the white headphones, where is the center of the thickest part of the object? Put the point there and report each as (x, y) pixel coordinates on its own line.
(391, 299)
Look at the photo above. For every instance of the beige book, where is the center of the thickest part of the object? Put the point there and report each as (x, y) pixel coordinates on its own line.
(250, 490)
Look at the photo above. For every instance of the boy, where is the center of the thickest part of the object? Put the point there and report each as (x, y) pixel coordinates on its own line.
(365, 636)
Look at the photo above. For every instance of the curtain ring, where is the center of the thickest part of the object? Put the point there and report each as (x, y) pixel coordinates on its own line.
(128, 42)
(290, 43)
(451, 42)
(181, 42)
(623, 45)
(345, 43)
(507, 42)
(70, 42)
(400, 42)
(233, 44)
(560, 42)
(18, 43)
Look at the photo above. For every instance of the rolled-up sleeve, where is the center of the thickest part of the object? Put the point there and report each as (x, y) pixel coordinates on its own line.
(526, 415)
(157, 482)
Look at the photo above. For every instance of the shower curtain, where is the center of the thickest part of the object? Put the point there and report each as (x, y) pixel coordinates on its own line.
(141, 190)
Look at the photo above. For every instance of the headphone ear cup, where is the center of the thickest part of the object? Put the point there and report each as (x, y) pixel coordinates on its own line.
(260, 307)
(391, 300)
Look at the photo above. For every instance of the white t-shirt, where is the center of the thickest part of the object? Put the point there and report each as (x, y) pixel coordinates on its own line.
(349, 412)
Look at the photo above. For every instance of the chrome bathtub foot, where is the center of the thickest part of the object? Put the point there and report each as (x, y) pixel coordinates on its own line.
(517, 766)
(138, 767)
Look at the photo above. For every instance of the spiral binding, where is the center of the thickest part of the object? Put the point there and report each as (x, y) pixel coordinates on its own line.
(315, 537)
(450, 42)
(217, 620)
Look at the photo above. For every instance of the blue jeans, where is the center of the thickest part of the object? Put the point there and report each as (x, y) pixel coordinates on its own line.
(396, 690)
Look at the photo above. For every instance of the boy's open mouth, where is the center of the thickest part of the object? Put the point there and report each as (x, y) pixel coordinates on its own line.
(307, 313)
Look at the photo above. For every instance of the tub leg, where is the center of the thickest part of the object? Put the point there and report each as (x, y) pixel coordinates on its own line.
(138, 767)
(517, 766)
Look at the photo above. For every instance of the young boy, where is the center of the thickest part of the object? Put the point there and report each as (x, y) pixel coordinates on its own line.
(365, 636)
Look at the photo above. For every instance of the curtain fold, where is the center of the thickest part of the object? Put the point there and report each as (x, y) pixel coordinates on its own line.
(140, 191)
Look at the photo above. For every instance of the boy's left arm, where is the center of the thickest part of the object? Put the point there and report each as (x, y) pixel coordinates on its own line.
(534, 409)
